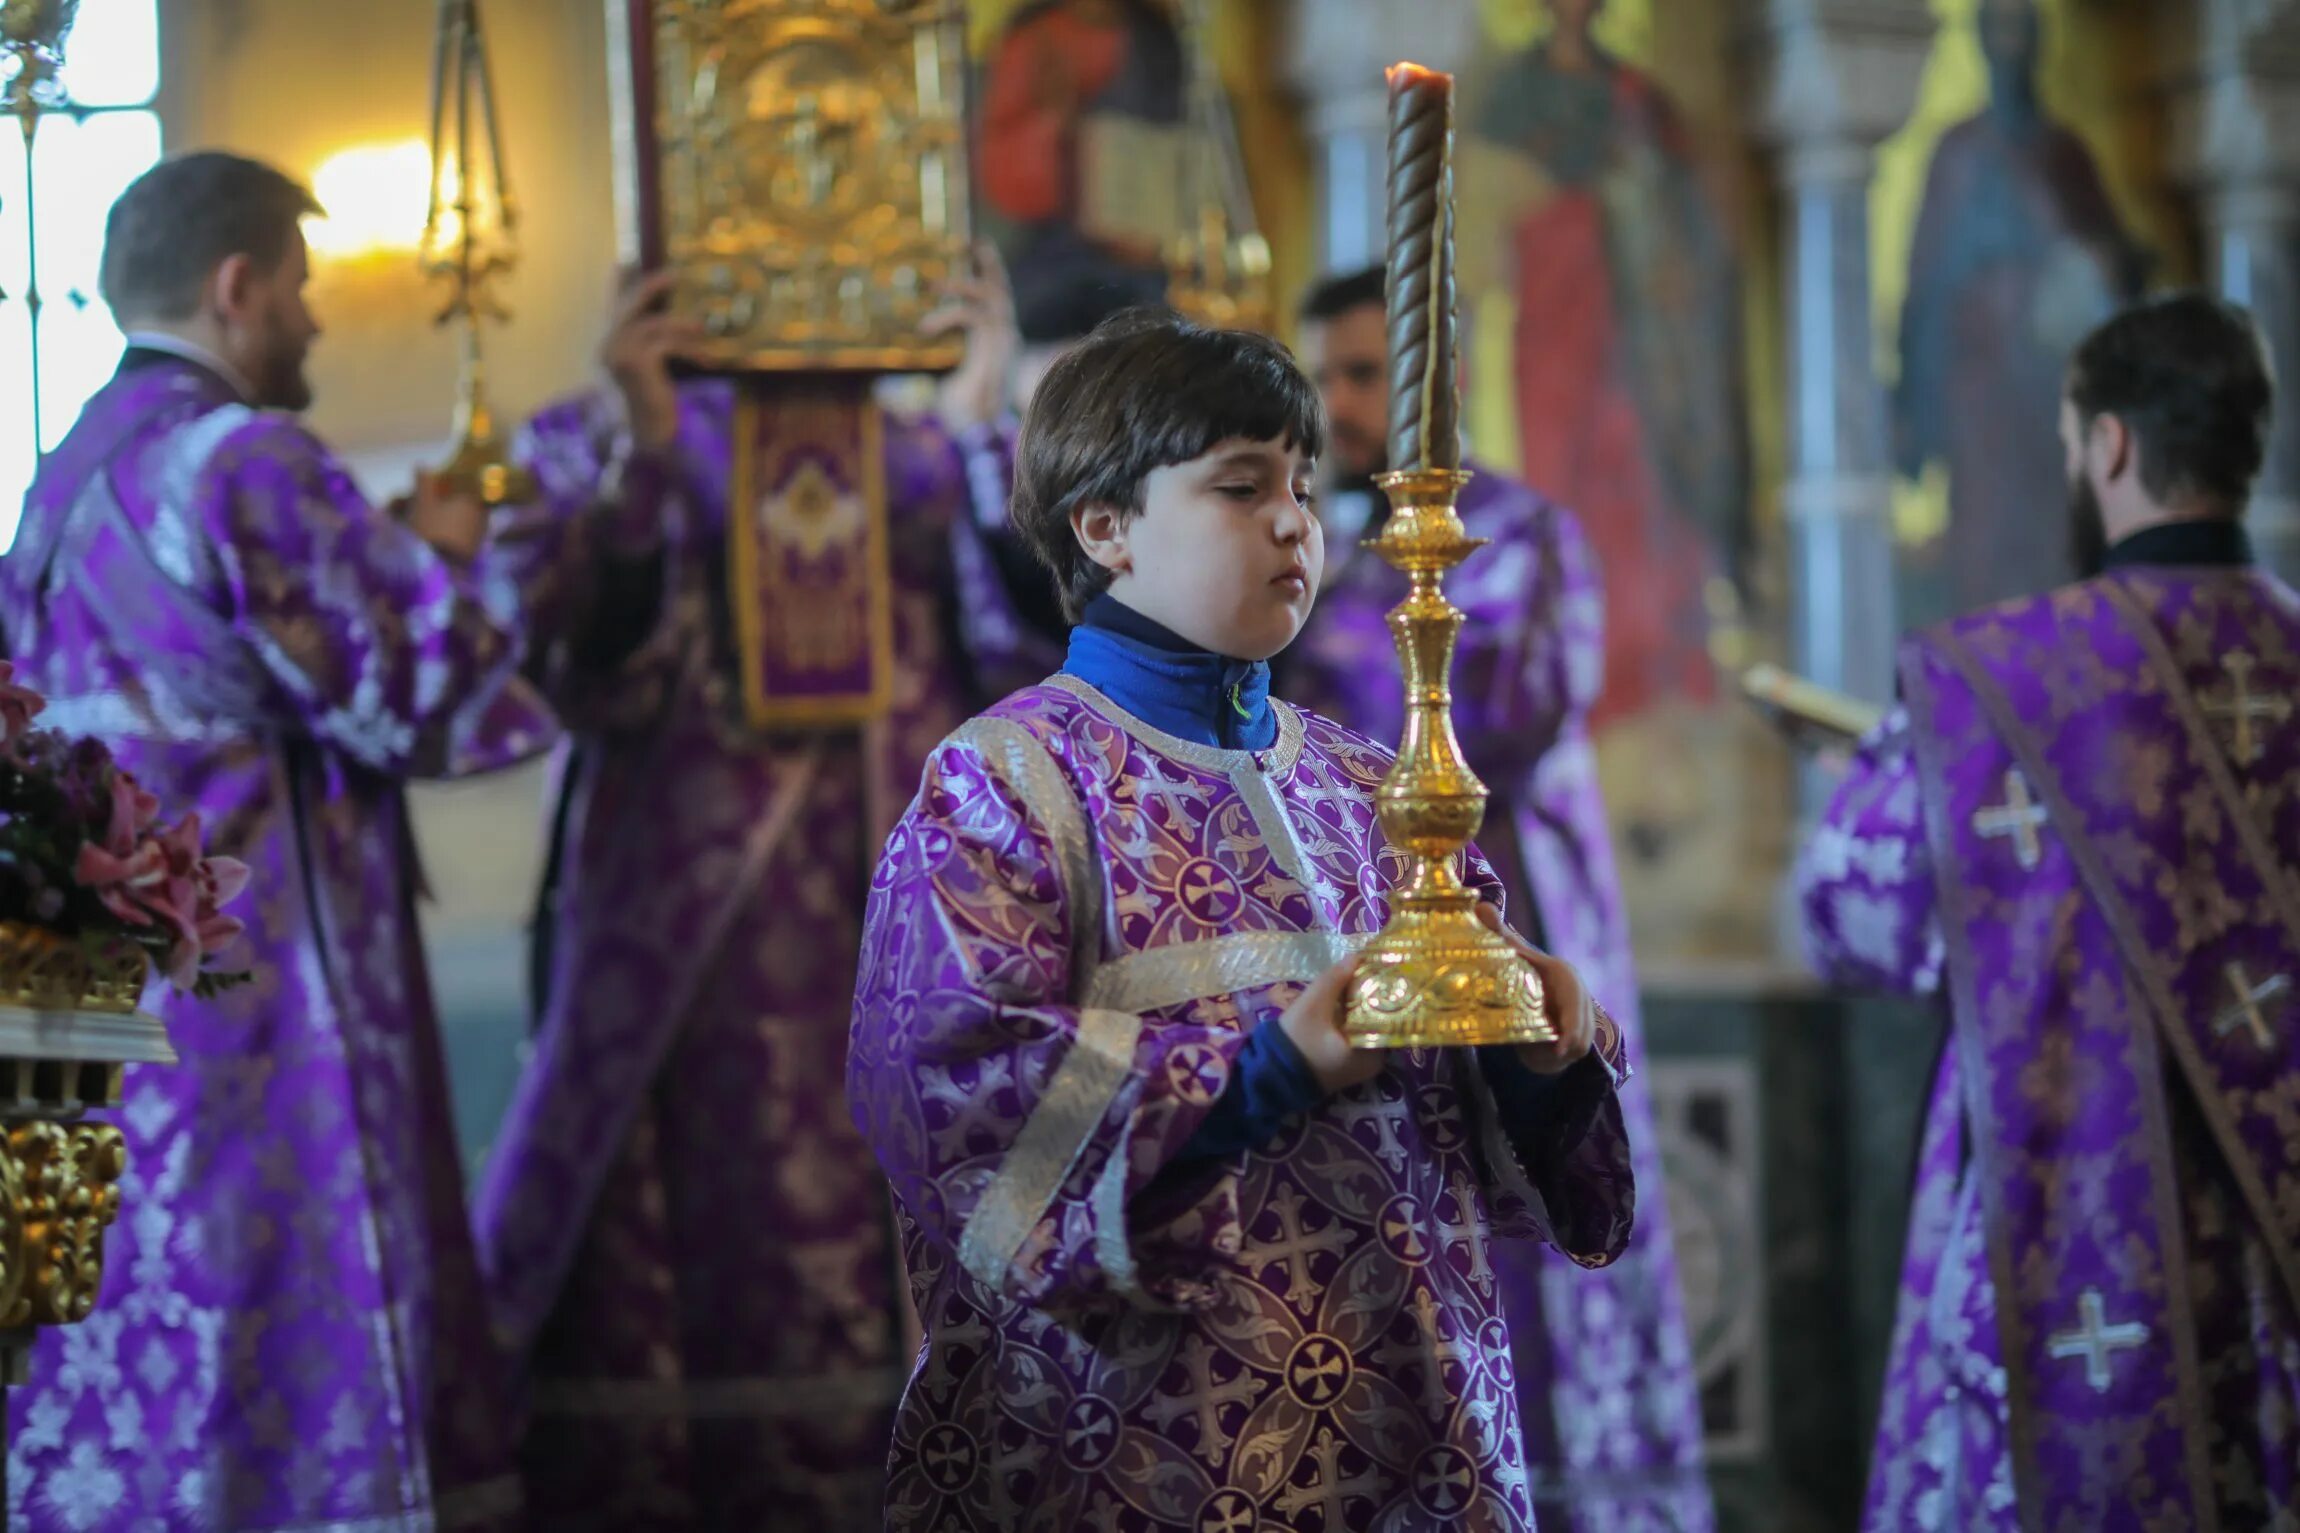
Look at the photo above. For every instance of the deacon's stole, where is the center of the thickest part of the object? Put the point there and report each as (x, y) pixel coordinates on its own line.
(2111, 778)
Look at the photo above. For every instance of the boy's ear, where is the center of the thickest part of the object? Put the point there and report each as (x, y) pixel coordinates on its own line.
(1101, 531)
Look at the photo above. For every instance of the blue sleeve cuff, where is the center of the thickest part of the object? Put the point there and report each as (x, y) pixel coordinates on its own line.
(1269, 1083)
(1545, 1117)
(1523, 1095)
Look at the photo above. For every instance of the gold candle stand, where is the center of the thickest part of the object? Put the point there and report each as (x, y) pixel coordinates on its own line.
(1436, 975)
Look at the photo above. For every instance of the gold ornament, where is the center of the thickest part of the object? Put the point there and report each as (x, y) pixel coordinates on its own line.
(470, 241)
(60, 1184)
(43, 971)
(1436, 976)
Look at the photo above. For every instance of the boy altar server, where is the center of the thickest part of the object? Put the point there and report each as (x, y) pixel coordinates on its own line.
(1184, 1259)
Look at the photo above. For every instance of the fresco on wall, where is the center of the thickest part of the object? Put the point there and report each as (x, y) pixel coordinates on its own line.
(2018, 251)
(1600, 259)
(1079, 125)
(2026, 198)
(1079, 118)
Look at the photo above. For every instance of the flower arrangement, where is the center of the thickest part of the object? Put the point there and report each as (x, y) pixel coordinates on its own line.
(92, 887)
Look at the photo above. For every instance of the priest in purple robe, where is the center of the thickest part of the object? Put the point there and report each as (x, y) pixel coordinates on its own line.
(2080, 827)
(690, 1255)
(1184, 1259)
(291, 1333)
(1604, 1370)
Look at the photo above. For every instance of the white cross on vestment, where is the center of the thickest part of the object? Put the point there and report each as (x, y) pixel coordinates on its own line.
(2019, 817)
(2095, 1340)
(2243, 707)
(2250, 1011)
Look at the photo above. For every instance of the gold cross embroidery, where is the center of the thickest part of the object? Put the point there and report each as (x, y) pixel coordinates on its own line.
(2019, 817)
(2249, 1011)
(2244, 708)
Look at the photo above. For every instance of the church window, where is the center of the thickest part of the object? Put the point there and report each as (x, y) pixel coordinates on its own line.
(83, 156)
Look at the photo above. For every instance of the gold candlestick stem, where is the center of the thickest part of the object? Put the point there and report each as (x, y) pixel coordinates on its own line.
(1436, 975)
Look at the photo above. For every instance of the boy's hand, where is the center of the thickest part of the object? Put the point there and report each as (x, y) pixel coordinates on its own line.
(1314, 1025)
(1572, 1013)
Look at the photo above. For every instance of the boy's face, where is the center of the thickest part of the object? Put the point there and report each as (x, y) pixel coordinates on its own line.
(1226, 552)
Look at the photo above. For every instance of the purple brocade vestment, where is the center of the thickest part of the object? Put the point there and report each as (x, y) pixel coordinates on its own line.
(291, 1333)
(2083, 825)
(690, 1254)
(1072, 931)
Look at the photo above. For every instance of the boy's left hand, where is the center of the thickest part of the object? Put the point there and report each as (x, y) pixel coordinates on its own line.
(1572, 1012)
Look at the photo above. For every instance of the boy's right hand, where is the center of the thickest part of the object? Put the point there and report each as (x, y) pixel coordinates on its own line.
(1314, 1026)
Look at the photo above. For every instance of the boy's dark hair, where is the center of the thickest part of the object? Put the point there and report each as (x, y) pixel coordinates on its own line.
(1145, 391)
(1337, 295)
(179, 220)
(2187, 375)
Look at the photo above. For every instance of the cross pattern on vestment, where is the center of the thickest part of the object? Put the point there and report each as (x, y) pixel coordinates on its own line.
(1091, 1423)
(2019, 817)
(1152, 786)
(1294, 1247)
(1204, 1398)
(1444, 1481)
(2250, 1011)
(2241, 706)
(971, 1107)
(1462, 1230)
(1228, 1512)
(1435, 1395)
(1330, 1492)
(2095, 1340)
(1430, 1353)
(1385, 1116)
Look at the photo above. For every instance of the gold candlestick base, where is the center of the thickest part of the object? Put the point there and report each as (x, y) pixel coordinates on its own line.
(1435, 976)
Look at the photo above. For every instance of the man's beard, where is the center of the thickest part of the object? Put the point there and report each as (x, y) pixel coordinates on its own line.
(2087, 530)
(284, 387)
(280, 384)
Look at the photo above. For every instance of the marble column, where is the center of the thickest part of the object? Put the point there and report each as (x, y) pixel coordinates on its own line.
(1336, 51)
(1830, 79)
(2235, 110)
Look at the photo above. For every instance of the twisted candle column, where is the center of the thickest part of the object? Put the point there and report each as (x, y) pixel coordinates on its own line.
(1434, 976)
(1424, 408)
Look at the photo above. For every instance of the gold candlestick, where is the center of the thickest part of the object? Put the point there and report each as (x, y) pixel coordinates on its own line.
(1435, 975)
